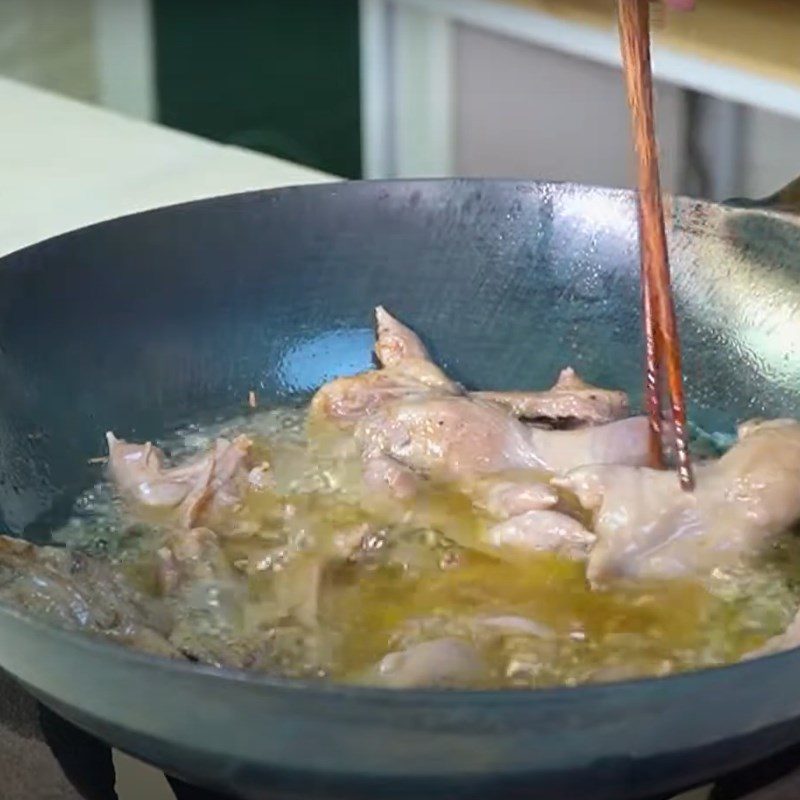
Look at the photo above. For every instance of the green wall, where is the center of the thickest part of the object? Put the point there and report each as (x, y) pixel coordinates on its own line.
(277, 76)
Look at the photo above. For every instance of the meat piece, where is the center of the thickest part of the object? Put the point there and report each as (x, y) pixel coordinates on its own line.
(411, 422)
(512, 625)
(453, 438)
(385, 475)
(79, 592)
(217, 620)
(298, 588)
(648, 528)
(208, 601)
(622, 442)
(407, 373)
(348, 543)
(138, 470)
(503, 497)
(571, 400)
(413, 413)
(787, 640)
(543, 531)
(216, 480)
(440, 662)
(395, 342)
(222, 479)
(345, 401)
(448, 438)
(261, 477)
(190, 557)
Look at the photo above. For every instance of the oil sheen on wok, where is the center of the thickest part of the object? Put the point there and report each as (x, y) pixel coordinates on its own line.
(402, 531)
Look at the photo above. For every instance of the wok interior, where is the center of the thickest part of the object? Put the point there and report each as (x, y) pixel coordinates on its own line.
(148, 321)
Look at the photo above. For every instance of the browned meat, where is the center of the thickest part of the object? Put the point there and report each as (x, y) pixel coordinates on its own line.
(648, 528)
(195, 490)
(571, 400)
(80, 592)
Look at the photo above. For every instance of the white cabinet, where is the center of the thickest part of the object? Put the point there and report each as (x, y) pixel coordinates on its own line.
(526, 111)
(491, 88)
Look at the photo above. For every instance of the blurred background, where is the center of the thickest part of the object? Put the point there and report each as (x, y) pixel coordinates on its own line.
(383, 88)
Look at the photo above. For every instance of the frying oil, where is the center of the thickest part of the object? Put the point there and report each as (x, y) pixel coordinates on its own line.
(323, 579)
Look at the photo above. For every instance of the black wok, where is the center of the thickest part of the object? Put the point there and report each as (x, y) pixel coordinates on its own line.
(144, 322)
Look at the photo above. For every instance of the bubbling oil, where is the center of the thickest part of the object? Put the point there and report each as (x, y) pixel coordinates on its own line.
(322, 579)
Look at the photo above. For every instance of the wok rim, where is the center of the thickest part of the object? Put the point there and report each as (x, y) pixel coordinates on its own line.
(98, 647)
(732, 205)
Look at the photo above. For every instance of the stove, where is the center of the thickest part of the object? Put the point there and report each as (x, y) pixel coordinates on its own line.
(775, 778)
(87, 764)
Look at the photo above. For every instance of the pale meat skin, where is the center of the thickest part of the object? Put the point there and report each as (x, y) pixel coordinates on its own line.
(343, 402)
(383, 474)
(458, 438)
(412, 423)
(503, 497)
(647, 527)
(214, 481)
(543, 531)
(622, 442)
(447, 438)
(570, 400)
(528, 518)
(406, 372)
(439, 662)
(394, 342)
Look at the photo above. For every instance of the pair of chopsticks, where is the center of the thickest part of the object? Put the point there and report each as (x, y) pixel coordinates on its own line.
(662, 346)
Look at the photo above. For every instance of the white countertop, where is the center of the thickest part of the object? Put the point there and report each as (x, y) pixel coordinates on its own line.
(65, 164)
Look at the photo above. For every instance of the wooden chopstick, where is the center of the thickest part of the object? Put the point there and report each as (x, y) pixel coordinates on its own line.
(662, 346)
